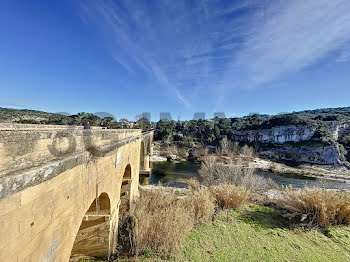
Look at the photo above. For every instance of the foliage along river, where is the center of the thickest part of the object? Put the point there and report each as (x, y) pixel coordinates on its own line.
(171, 172)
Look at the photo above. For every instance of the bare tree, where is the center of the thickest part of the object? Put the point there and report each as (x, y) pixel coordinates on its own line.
(226, 147)
(213, 173)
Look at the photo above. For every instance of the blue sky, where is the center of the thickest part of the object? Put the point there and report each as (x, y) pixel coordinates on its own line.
(130, 56)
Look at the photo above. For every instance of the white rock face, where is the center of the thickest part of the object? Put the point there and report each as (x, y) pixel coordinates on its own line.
(340, 129)
(280, 134)
(326, 155)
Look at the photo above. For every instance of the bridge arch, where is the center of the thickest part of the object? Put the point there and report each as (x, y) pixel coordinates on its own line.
(92, 238)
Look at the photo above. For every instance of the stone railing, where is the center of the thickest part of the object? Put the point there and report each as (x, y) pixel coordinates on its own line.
(23, 146)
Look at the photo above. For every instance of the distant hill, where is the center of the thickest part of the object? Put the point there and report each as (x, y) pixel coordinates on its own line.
(64, 113)
(104, 114)
(27, 116)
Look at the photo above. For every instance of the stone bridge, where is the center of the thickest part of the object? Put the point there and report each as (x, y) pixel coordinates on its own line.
(63, 188)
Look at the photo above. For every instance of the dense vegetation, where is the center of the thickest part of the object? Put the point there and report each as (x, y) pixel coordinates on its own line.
(211, 132)
(25, 116)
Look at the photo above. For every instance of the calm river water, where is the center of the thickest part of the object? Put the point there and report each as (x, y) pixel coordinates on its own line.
(172, 172)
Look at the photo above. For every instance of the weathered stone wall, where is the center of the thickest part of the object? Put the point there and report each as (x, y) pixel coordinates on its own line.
(14, 126)
(42, 206)
(20, 149)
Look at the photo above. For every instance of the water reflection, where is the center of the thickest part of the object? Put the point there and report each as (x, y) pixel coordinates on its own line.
(170, 171)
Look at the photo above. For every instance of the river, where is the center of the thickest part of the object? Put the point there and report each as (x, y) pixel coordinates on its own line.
(171, 172)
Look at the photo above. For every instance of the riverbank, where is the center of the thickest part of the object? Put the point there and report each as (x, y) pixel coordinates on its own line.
(176, 173)
(335, 173)
(257, 233)
(316, 171)
(227, 222)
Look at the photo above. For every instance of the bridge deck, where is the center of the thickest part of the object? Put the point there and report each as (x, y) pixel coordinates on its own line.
(31, 154)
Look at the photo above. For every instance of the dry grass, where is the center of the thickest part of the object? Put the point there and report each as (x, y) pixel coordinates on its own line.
(161, 220)
(320, 207)
(201, 205)
(193, 184)
(230, 196)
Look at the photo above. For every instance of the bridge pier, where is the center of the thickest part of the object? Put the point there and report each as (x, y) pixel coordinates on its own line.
(151, 150)
(145, 153)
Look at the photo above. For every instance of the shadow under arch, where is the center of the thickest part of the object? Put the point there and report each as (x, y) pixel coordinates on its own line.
(125, 191)
(92, 239)
(142, 156)
(124, 239)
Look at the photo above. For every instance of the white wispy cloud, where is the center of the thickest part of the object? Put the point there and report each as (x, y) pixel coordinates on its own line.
(122, 63)
(344, 54)
(205, 47)
(291, 35)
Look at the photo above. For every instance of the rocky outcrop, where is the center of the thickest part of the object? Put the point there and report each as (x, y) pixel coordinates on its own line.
(280, 134)
(275, 143)
(323, 155)
(338, 129)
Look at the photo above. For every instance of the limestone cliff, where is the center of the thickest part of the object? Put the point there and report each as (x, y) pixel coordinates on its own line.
(292, 143)
(322, 155)
(280, 134)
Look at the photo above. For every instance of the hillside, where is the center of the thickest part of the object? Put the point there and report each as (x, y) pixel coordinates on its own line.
(319, 136)
(26, 116)
(22, 115)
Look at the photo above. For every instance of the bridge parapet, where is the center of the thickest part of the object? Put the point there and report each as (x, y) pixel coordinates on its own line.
(15, 126)
(23, 147)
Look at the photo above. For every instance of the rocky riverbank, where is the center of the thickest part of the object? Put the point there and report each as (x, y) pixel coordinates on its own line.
(337, 173)
(317, 171)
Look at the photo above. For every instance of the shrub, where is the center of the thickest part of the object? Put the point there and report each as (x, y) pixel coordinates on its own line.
(230, 196)
(215, 173)
(231, 149)
(193, 184)
(226, 147)
(256, 184)
(320, 206)
(248, 151)
(342, 152)
(161, 222)
(201, 205)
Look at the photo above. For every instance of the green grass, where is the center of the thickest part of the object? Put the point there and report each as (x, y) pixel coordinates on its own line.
(261, 234)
